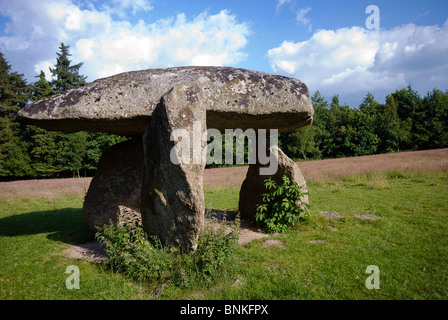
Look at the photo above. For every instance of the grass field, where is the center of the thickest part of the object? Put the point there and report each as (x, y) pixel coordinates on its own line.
(394, 219)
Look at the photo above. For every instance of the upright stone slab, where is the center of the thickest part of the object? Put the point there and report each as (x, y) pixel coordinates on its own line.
(172, 195)
(253, 187)
(114, 192)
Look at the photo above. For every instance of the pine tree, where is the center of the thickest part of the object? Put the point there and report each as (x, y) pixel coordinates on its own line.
(43, 147)
(369, 105)
(14, 161)
(72, 147)
(40, 89)
(66, 76)
(12, 90)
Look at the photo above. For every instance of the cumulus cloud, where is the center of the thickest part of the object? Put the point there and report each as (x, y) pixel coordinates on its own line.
(355, 59)
(108, 41)
(44, 66)
(205, 40)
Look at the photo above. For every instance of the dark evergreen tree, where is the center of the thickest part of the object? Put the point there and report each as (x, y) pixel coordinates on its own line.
(14, 160)
(388, 127)
(40, 89)
(72, 146)
(43, 145)
(66, 76)
(369, 105)
(56, 153)
(435, 122)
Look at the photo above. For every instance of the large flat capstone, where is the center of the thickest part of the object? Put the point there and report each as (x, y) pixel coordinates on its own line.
(123, 103)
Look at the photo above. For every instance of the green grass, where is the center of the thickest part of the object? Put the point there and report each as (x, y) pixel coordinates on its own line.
(408, 242)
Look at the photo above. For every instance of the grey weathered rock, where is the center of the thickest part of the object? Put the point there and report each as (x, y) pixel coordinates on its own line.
(123, 103)
(114, 192)
(172, 195)
(331, 215)
(253, 186)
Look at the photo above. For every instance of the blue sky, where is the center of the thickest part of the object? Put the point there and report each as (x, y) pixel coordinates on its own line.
(326, 44)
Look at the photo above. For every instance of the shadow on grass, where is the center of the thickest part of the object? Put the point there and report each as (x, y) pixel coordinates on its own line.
(67, 225)
(220, 214)
(70, 226)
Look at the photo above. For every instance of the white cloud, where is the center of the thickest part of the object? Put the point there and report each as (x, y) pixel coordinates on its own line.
(300, 14)
(280, 4)
(325, 55)
(302, 18)
(85, 48)
(355, 59)
(108, 42)
(206, 40)
(45, 67)
(14, 43)
(120, 7)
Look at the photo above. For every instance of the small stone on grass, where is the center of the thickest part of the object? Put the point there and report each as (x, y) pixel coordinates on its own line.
(273, 243)
(330, 215)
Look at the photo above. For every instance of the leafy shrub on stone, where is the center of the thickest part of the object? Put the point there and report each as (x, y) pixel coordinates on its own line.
(281, 206)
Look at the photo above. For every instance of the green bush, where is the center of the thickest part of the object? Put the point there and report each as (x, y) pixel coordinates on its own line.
(281, 206)
(131, 252)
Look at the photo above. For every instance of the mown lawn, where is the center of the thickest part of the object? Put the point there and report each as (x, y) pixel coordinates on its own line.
(319, 259)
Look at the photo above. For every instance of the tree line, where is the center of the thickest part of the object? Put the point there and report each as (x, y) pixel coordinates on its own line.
(406, 121)
(31, 152)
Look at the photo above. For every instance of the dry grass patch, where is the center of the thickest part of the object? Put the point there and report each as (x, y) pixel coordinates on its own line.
(45, 188)
(415, 161)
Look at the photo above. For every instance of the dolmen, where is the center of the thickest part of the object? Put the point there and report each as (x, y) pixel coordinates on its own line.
(169, 115)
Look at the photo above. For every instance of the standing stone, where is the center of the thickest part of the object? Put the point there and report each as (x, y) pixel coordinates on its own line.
(114, 192)
(172, 195)
(253, 187)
